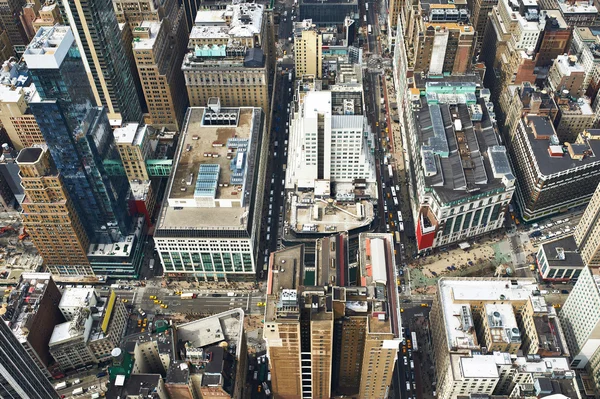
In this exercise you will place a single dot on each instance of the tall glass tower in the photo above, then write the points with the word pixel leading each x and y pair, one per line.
pixel 78 135
pixel 20 377
pixel 109 70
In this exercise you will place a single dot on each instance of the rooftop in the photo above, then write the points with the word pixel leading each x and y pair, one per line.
pixel 136 385
pixel 478 366
pixel 213 171
pixel 29 155
pixel 49 47
pixel 226 326
pixel 577 8
pixel 131 133
pixel 80 326
pixel 567 65
pixel 235 21
pixel 461 150
pixel 23 302
pixel 552 157
pixel 145 35
pixel 456 295
pixel 77 297
pixel 562 252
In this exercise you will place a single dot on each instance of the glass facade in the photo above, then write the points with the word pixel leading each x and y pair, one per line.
pixel 80 140
pixel 113 72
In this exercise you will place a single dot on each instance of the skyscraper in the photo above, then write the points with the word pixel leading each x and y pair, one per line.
pixel 587 232
pixel 19 375
pixel 97 34
pixel 49 215
pixel 77 134
pixel 580 319
pixel 308 46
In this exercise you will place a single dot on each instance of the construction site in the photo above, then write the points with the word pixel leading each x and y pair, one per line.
pixel 17 252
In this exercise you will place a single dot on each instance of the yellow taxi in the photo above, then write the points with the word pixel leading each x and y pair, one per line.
pixel 261 304
pixel 152 296
pixel 158 302
pixel 164 305
pixel 124 300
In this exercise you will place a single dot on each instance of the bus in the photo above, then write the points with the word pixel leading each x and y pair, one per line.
pixel 395 201
pixel 397 237
pixel 367 6
pixel 400 216
pixel 400 226
pixel 369 29
pixel 390 171
pixel 393 190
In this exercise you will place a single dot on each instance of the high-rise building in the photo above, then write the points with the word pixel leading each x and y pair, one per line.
pixel 331 12
pixel 48 15
pixel 214 195
pixel 554 40
pixel 328 142
pixel 480 10
pixel 587 232
pixel 134 12
pixel 76 133
pixel 308 46
pixel 574 116
pixel 16 117
pixel 445 44
pixel 566 75
pixel 229 57
pixel 10 19
pixel 581 322
pixel 49 215
pixel 325 337
pixel 19 375
pixel 446 132
pixel 552 176
pixel 31 313
pixel 158 55
pixel 102 50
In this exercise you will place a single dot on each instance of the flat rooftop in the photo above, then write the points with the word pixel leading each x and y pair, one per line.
pixel 236 20
pixel 226 326
pixel 562 252
pixel 130 133
pixel 478 366
pixel 550 165
pixel 76 297
pixel 285 273
pixel 213 171
pixel 145 35
pixel 457 294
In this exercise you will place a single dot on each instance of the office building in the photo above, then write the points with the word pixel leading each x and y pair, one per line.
pixel 552 176
pixel 566 75
pixel 480 327
pixel 308 50
pixel 76 132
pixel 584 45
pixel 103 54
pixel 94 327
pixel 10 20
pixel 316 148
pixel 357 334
pixel 138 385
pixel 135 145
pixel 451 128
pixel 15 115
pixel 480 10
pixel 6 48
pixel 213 204
pixel 587 232
pixel 158 55
pixel 555 39
pixel 445 44
pixel 229 57
pixel 523 100
pixel 49 215
pixel 31 313
pixel 559 260
pixel 68 343
pixel 579 13
pixel 48 15
pixel 580 320
pixel 574 116
pixel 329 12
pixel 19 375
pixel 134 12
